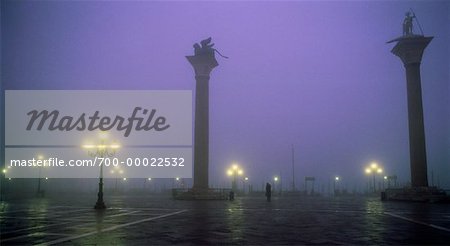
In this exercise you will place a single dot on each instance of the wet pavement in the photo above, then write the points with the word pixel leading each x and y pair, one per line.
pixel 144 220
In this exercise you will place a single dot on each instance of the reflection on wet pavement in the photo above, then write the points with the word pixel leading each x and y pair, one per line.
pixel 247 220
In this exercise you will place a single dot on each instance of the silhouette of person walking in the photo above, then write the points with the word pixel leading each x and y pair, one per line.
pixel 268 191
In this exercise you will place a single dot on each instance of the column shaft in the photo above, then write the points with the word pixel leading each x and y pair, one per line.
pixel 201 138
pixel 418 157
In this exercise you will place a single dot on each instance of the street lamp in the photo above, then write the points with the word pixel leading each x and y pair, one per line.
pixel 2 184
pixel 4 171
pixel 101 150
pixel 145 182
pixel 117 172
pixel 374 169
pixel 39 192
pixel 176 182
pixel 234 171
pixel 275 179
pixel 336 179
pixel 243 184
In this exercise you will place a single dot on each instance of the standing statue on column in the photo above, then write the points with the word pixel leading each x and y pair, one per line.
pixel 408 24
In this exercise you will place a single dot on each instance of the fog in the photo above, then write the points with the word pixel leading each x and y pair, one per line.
pixel 317 76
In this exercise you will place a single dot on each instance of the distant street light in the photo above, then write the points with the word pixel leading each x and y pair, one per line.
pixel 275 179
pixel 145 182
pixel 39 192
pixel 176 183
pixel 4 171
pixel 374 169
pixel 391 178
pixel 336 179
pixel 116 171
pixel 243 183
pixel 101 150
pixel 234 171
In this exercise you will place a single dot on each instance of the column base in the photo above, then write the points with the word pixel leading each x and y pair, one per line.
pixel 416 194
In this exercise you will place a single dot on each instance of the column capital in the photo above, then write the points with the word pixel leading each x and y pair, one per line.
pixel 203 64
pixel 410 48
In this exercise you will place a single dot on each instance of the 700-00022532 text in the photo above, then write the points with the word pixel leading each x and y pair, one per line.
pixel 99 161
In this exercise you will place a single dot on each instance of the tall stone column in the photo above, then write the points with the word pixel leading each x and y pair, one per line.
pixel 203 62
pixel 410 50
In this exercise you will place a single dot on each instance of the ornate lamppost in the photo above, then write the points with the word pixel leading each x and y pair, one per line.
pixel 373 169
pixel 234 171
pixel 101 150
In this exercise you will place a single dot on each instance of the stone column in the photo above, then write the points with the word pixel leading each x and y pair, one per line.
pixel 203 64
pixel 410 50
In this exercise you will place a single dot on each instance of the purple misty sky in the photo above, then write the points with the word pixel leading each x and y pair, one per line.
pixel 318 75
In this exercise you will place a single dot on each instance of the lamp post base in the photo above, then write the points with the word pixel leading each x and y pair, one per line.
pixel 100 205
